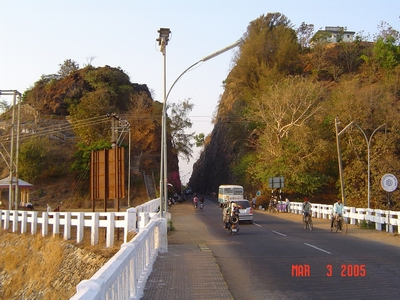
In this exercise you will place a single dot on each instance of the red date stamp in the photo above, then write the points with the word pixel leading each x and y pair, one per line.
pixel 349 270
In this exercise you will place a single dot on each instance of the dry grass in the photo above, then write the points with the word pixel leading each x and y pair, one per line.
pixel 36 267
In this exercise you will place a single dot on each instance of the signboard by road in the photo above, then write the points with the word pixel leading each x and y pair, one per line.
pixel 276 183
pixel 389 182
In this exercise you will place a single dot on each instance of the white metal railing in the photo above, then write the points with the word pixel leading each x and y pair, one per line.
pixel 355 215
pixel 131 220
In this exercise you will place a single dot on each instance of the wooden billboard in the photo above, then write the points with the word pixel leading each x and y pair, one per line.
pixel 107 175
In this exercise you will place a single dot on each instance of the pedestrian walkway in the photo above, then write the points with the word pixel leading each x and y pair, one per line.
pixel 188 270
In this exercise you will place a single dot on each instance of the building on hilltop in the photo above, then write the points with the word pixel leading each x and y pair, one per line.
pixel 334 34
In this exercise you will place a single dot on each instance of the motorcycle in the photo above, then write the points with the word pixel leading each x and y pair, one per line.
pixel 232 223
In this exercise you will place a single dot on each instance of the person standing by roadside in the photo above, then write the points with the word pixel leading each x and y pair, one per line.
pixel 287 206
pixel 253 201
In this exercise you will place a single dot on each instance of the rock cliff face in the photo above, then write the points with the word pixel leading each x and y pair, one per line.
pixel 213 167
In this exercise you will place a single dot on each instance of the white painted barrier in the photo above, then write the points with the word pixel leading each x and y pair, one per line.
pixel 124 276
pixel 355 215
pixel 132 220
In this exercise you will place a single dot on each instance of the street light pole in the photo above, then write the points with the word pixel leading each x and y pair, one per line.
pixel 340 156
pixel 163 42
pixel 368 157
pixel 13 193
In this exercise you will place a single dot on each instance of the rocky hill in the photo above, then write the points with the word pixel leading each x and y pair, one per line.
pixel 282 104
pixel 62 120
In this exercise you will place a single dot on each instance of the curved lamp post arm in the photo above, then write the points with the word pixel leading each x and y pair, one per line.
pixel 208 57
pixel 369 157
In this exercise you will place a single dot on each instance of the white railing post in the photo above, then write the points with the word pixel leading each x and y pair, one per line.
pixel 24 221
pixel 6 225
pixel 80 227
pixel 110 230
pixel 67 225
pixel 45 223
pixel 15 221
pixel 94 237
pixel 378 219
pixel 34 221
pixel 56 223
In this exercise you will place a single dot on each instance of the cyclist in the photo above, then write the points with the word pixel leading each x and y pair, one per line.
pixel 195 201
pixel 201 200
pixel 337 211
pixel 306 208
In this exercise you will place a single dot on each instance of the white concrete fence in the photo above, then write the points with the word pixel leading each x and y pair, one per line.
pixel 124 276
pixel 130 221
pixel 389 218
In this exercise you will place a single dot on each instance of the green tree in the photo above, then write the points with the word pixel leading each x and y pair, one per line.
pixel 32 159
pixel 38 159
pixel 387 47
pixel 304 35
pixel 200 139
pixel 4 106
pixel 179 122
pixel 69 66
pixel 81 164
pixel 89 119
pixel 288 145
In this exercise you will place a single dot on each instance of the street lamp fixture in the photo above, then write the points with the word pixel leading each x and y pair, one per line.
pixel 163 42
pixel 368 157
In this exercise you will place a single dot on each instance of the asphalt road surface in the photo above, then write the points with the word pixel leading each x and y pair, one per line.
pixel 276 258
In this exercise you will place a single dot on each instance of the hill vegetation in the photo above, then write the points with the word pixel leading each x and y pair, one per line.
pixel 283 98
pixel 66 116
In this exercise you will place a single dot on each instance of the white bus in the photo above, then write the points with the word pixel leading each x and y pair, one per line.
pixel 229 192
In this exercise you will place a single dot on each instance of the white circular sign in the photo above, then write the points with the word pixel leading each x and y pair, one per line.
pixel 389 182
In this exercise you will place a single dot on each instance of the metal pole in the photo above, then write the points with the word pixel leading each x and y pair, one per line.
pixel 163 42
pixel 17 194
pixel 339 160
pixel 369 158
pixel 165 134
pixel 11 194
pixel 340 156
pixel 129 171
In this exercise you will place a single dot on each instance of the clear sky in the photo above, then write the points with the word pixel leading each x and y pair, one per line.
pixel 37 36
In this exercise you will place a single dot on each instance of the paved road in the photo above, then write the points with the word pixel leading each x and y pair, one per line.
pixel 275 258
